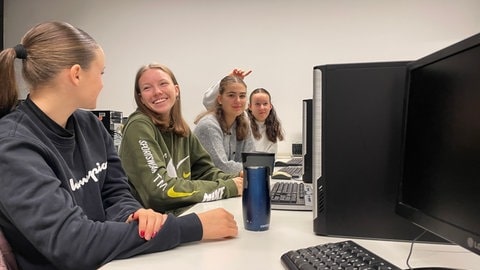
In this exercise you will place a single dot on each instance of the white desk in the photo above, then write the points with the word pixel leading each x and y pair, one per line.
pixel 288 230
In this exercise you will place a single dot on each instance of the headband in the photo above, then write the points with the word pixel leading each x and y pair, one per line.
pixel 20 51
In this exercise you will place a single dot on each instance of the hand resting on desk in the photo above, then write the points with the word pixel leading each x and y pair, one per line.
pixel 239 183
pixel 217 224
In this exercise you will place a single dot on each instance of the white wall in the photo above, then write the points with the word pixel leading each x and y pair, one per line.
pixel 281 41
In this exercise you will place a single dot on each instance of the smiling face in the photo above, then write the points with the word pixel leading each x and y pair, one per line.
pixel 158 92
pixel 233 99
pixel 260 106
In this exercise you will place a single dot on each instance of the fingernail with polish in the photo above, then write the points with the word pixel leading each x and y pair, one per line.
pixel 142 234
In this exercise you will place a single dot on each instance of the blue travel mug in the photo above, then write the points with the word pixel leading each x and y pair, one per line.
pixel 256 198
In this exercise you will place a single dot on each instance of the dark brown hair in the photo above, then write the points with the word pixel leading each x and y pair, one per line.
pixel 272 123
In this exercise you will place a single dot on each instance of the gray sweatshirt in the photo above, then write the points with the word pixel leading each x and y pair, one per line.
pixel 225 149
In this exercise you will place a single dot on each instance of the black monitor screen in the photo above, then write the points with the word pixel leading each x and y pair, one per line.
pixel 440 189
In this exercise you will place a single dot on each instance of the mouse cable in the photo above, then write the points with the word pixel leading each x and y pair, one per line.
pixel 411 248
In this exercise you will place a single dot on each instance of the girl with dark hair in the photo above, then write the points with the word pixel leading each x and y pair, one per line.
pixel 265 125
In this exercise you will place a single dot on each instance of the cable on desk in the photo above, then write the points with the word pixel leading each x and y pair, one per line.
pixel 411 247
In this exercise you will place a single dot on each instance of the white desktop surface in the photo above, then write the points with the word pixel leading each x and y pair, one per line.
pixel 289 230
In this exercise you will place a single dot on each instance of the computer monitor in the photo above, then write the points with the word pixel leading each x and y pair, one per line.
pixel 440 185
pixel 307 134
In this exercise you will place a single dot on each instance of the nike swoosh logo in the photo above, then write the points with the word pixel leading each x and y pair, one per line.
pixel 174 194
pixel 186 175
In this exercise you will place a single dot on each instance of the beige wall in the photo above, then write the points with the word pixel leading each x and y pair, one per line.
pixel 279 40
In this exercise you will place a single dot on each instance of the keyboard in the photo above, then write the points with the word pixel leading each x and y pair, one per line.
pixel 337 255
pixel 295 161
pixel 294 171
pixel 290 195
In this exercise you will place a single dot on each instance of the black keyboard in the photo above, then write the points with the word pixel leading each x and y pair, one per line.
pixel 339 255
pixel 295 161
pixel 294 171
pixel 291 196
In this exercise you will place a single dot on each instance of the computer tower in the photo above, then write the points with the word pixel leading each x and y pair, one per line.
pixel 358 112
pixel 112 120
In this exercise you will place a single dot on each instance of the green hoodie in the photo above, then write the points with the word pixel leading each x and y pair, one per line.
pixel 168 172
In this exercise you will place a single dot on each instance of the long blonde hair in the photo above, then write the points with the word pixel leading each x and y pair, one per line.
pixel 176 123
pixel 45 50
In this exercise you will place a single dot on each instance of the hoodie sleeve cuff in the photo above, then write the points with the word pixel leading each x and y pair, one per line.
pixel 232 188
pixel 190 228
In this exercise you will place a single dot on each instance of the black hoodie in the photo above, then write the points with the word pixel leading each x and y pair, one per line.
pixel 64 197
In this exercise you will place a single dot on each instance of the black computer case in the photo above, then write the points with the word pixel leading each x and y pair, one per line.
pixel 358 112
pixel 112 121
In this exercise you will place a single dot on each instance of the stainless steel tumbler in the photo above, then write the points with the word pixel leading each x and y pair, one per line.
pixel 256 198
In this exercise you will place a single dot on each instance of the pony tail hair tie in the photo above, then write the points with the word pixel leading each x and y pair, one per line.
pixel 20 51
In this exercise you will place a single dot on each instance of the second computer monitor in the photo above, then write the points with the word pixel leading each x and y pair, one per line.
pixel 307 134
